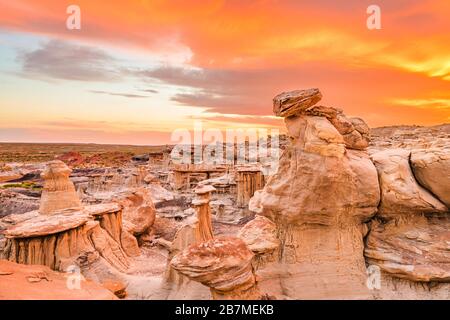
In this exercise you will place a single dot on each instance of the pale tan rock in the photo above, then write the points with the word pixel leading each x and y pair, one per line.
pixel 223 264
pixel 41 225
pixel 323 111
pixel 349 185
pixel 411 241
pixel 320 199
pixel 400 192
pixel 354 131
pixel 342 124
pixel 204 230
pixel 315 135
pixel 295 102
pixel 138 210
pixel 361 126
pixel 185 236
pixel 432 170
pixel 248 180
pixel 319 205
pixel 410 137
pixel 354 140
pixel 260 235
pixel 59 192
pixel 117 287
pixel 415 248
pixel 176 284
pixel 67 238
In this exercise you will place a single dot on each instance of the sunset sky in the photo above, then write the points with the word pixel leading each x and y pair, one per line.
pixel 139 69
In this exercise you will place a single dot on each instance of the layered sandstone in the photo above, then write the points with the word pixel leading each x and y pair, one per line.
pixel 431 168
pixel 260 236
pixel 138 210
pixel 59 192
pixel 320 198
pixel 410 238
pixel 223 265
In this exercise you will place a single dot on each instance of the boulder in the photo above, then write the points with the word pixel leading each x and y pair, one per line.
pixel 431 168
pixel 400 192
pixel 260 235
pixel 320 199
pixel 222 264
pixel 295 102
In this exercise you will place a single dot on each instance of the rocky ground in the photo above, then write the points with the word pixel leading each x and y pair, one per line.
pixel 346 200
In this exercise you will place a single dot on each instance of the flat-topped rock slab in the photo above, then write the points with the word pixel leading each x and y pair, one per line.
pixel 43 225
pixel 102 208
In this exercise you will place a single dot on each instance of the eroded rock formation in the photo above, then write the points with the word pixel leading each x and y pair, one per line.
pixel 319 199
pixel 68 238
pixel 224 265
pixel 204 230
pixel 431 168
pixel 410 238
pixel 139 212
pixel 22 282
pixel 59 192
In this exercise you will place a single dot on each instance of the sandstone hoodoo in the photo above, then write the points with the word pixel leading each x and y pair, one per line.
pixel 204 230
pixel 320 198
pixel 260 236
pixel 248 180
pixel 222 264
pixel 59 191
pixel 63 234
pixel 346 212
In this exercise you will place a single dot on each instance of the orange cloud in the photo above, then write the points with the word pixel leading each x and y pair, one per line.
pixel 245 52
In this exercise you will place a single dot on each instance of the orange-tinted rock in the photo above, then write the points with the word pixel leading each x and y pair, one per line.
pixel 223 264
pixel 432 170
pixel 295 102
pixel 23 282
pixel 400 192
pixel 319 199
pixel 260 235
pixel 117 287
pixel 59 192
pixel 138 210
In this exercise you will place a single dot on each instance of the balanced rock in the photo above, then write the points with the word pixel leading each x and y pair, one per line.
pixel 320 198
pixel 295 102
pixel 59 192
pixel 222 264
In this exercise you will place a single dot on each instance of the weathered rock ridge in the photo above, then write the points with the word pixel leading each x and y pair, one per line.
pixel 328 193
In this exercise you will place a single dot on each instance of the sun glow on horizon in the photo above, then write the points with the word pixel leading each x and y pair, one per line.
pixel 138 70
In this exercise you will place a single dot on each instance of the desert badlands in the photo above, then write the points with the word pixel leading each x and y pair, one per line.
pixel 350 213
